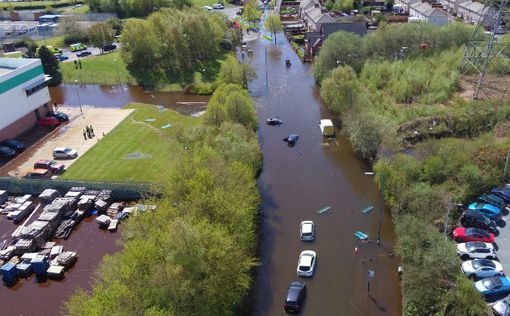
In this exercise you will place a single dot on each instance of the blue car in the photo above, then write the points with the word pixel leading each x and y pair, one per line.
pixel 492 199
pixel 503 192
pixel 493 286
pixel 62 57
pixel 488 210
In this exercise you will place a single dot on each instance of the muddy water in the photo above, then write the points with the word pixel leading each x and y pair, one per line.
pixel 113 96
pixel 298 181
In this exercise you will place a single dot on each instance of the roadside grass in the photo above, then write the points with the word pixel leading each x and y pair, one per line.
pixel 57 41
pixel 201 3
pixel 35 3
pixel 100 69
pixel 107 161
pixel 80 10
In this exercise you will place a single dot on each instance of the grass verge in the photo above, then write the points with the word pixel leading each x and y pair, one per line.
pixel 57 41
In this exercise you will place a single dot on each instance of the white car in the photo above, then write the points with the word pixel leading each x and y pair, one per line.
pixel 208 8
pixel 307 230
pixel 501 307
pixel 218 6
pixel 482 268
pixel 64 153
pixel 306 263
pixel 476 250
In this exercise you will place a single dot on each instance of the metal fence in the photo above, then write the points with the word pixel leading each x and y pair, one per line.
pixel 120 191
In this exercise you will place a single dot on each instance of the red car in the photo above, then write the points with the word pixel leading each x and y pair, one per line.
pixel 48 121
pixel 51 165
pixel 462 234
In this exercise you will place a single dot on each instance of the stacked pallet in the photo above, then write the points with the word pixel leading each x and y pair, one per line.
pixel 47 196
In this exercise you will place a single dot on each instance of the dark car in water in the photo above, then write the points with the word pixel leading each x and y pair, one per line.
pixel 291 139
pixel 295 297
pixel 273 121
pixel 6 152
pixel 476 219
pixel 14 144
pixel 61 116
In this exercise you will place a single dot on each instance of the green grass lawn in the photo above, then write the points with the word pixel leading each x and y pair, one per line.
pixel 98 69
pixel 34 3
pixel 80 10
pixel 57 41
pixel 107 161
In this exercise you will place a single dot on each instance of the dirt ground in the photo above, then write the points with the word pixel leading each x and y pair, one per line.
pixel 495 87
pixel 103 120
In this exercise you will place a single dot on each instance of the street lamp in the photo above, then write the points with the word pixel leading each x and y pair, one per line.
pixel 78 94
pixel 117 71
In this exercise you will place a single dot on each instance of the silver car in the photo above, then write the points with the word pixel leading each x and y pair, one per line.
pixel 307 231
pixel 64 153
pixel 482 268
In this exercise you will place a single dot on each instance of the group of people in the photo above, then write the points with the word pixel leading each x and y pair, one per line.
pixel 88 132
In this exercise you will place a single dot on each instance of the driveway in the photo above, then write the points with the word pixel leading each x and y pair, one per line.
pixel 103 121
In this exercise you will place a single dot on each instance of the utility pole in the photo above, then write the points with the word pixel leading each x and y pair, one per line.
pixel 506 164
pixel 78 94
pixel 381 210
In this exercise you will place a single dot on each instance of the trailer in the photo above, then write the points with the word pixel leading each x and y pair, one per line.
pixel 327 128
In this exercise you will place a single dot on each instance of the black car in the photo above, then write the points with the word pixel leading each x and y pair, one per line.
pixel 476 219
pixel 60 116
pixel 291 139
pixel 6 152
pixel 493 200
pixel 83 53
pixel 14 144
pixel 295 297
pixel 109 47
pixel 273 121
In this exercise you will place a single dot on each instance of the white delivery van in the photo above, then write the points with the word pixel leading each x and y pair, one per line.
pixel 327 128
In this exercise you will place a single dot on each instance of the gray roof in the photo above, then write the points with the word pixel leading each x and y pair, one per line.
pixel 472 6
pixel 358 28
pixel 426 9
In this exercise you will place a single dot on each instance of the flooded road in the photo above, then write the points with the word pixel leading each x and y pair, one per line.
pixel 298 181
pixel 113 96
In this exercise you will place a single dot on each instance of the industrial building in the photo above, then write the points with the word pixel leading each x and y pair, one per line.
pixel 24 95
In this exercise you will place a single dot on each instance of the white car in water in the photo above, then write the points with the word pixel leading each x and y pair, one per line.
pixel 306 263
pixel 476 250
pixel 307 231
pixel 482 268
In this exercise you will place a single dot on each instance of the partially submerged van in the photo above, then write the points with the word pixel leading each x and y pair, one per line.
pixel 327 128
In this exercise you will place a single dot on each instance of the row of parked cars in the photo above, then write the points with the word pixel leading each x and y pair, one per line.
pixel 296 292
pixel 480 223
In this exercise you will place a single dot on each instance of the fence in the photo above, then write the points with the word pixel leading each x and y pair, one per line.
pixel 120 191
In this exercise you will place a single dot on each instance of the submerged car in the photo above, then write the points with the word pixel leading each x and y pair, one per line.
pixel 274 121
pixel 476 250
pixel 493 286
pixel 64 153
pixel 14 144
pixel 306 263
pixel 291 139
pixel 482 268
pixel 475 219
pixel 307 231
pixel 218 6
pixel 462 234
pixel 296 294
pixel 488 210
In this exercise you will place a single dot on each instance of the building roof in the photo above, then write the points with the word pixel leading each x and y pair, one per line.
pixel 358 28
pixel 472 6
pixel 427 10
pixel 9 64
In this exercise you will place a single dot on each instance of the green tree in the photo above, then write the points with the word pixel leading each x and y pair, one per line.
pixel 273 24
pixel 233 71
pixel 340 89
pixel 251 11
pixel 240 109
pixel 71 29
pixel 233 38
pixel 365 130
pixel 50 65
pixel 101 34
pixel 31 46
pixel 215 114
pixel 329 5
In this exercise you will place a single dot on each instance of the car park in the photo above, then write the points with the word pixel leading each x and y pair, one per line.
pixel 109 47
pixel 296 294
pixel 482 268
pixel 38 174
pixel 462 234
pixel 501 307
pixel 14 144
pixel 218 6
pixel 62 57
pixel 488 210
pixel 476 250
pixel 61 116
pixel 475 219
pixel 307 231
pixel 306 263
pixel 503 192
pixel 6 152
pixel 84 53
pixel 48 121
pixel 493 286
pixel 51 165
pixel 64 153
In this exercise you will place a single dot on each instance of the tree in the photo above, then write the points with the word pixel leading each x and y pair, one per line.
pixel 341 89
pixel 101 34
pixel 240 109
pixel 50 65
pixel 31 46
pixel 233 37
pixel 273 24
pixel 233 71
pixel 251 11
pixel 329 5
pixel 70 28
pixel 365 130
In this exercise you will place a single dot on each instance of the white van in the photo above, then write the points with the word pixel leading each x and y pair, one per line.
pixel 327 128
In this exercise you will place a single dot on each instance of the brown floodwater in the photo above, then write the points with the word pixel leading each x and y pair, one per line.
pixel 298 181
pixel 115 96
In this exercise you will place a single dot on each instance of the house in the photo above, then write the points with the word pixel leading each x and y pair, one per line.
pixel 314 14
pixel 406 4
pixel 315 39
pixel 24 96
pixel 452 6
pixel 471 12
pixel 424 12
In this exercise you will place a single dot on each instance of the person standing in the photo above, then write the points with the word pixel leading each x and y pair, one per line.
pixel 84 135
pixel 92 131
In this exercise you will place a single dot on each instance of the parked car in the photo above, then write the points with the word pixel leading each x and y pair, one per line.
pixel 273 121
pixel 488 210
pixel 84 53
pixel 109 47
pixel 501 307
pixel 306 263
pixel 51 165
pixel 61 116
pixel 6 152
pixel 38 174
pixel 503 192
pixel 492 199
pixel 475 219
pixel 208 8
pixel 493 286
pixel 77 47
pixel 61 57
pixel 296 294
pixel 48 121
pixel 291 139
pixel 476 250
pixel 462 234
pixel 64 153
pixel 218 6
pixel 307 230
pixel 14 144
pixel 482 268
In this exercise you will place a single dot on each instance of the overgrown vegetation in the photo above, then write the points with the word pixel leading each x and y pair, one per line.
pixel 194 254
pixel 125 9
